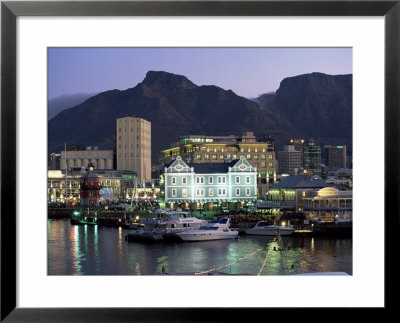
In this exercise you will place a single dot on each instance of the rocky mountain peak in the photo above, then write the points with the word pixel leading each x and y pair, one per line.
pixel 160 79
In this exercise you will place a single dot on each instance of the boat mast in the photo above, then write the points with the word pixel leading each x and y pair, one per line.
pixel 66 174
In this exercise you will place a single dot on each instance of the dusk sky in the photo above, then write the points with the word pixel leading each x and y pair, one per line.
pixel 248 72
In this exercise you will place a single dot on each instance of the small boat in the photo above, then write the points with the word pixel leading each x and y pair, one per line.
pixel 78 218
pixel 213 230
pixel 262 228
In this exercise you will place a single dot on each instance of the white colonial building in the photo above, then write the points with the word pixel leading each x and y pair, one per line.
pixel 209 183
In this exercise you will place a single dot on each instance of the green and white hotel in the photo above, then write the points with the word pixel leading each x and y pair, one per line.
pixel 206 184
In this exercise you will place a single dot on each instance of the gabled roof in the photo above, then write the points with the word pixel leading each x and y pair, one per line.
pixel 211 168
pixel 300 181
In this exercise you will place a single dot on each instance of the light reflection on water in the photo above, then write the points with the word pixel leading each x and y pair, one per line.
pixel 94 250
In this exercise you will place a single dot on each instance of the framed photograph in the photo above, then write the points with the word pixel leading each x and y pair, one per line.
pixel 218 54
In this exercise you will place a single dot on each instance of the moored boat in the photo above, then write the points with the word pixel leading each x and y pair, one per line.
pixel 165 226
pixel 78 218
pixel 262 228
pixel 213 230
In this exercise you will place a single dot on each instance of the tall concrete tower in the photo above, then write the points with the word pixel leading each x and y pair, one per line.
pixel 134 146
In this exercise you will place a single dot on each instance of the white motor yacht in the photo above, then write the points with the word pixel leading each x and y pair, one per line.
pixel 262 228
pixel 213 230
pixel 178 224
pixel 165 226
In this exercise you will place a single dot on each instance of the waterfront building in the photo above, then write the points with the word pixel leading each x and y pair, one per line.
pixel 133 136
pixel 335 157
pixel 329 204
pixel 290 161
pixel 79 156
pixel 312 158
pixel 289 193
pixel 204 185
pixel 222 149
pixel 115 186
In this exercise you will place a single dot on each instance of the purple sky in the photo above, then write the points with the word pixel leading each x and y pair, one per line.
pixel 248 72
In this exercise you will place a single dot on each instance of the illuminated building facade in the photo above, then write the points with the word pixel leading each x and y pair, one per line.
pixel 114 186
pixel 209 183
pixel 312 158
pixel 134 146
pixel 223 149
pixel 329 204
pixel 288 194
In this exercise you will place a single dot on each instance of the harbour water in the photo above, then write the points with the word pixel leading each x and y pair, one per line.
pixel 100 250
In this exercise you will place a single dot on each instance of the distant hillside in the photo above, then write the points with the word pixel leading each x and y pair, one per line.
pixel 58 104
pixel 316 105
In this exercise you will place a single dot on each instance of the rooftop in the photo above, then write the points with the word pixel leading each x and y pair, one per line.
pixel 300 181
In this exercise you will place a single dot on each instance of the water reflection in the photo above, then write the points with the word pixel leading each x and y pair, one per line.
pixel 94 250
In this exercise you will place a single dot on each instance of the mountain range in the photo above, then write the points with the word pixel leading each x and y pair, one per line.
pixel 311 105
pixel 60 103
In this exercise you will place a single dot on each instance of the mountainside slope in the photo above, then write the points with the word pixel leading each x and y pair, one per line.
pixel 312 105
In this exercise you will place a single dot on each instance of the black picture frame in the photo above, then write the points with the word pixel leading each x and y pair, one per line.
pixel 10 10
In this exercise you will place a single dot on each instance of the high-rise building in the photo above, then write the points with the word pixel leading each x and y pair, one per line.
pixel 335 157
pixel 133 137
pixel 290 161
pixel 312 158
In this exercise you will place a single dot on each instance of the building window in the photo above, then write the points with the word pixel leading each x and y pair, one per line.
pixel 200 192
pixel 263 156
pixel 184 192
pixel 237 191
pixel 235 156
pixel 214 157
pixel 221 156
pixel 229 156
pixel 270 157
pixel 255 157
pixel 198 156
pixel 210 180
pixel 184 180
pixel 247 191
pixel 247 179
pixel 270 165
pixel 221 191
pixel 173 180
pixel 173 193
pixel 237 180
pixel 221 180
pixel 270 173
pixel 210 192
pixel 200 180
pixel 248 156
pixel 207 156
